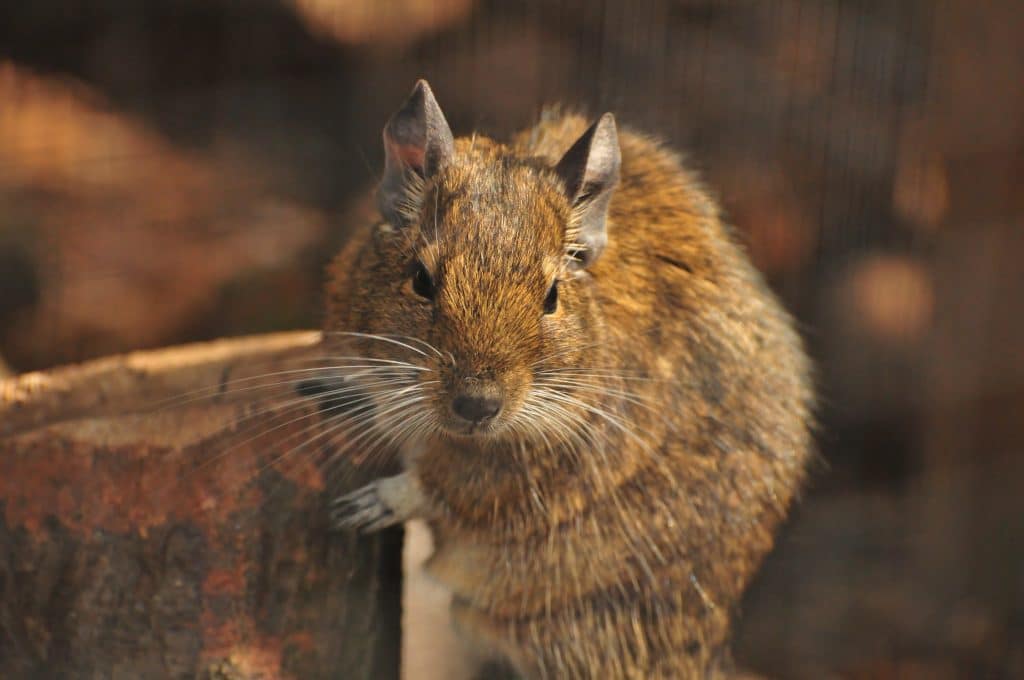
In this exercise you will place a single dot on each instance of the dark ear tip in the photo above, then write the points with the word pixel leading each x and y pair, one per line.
pixel 422 101
pixel 419 96
pixel 422 92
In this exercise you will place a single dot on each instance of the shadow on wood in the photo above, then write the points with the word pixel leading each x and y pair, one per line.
pixel 177 540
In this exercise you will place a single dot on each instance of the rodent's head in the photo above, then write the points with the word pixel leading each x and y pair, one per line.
pixel 484 254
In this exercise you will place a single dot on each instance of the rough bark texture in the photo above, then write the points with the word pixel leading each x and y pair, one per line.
pixel 169 542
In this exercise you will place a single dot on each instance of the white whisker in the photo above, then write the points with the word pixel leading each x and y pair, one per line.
pixel 223 388
pixel 631 397
pixel 382 338
pixel 333 432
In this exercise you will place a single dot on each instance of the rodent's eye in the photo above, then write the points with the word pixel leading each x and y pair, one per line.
pixel 422 284
pixel 551 301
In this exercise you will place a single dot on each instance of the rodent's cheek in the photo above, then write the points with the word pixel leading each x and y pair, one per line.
pixel 561 337
pixel 408 305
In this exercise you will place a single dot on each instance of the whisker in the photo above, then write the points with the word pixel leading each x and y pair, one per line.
pixel 408 429
pixel 597 388
pixel 314 412
pixel 599 372
pixel 395 414
pixel 382 338
pixel 290 384
pixel 395 362
pixel 217 390
pixel 554 355
pixel 385 435
pixel 398 336
pixel 571 434
pixel 332 435
pixel 422 342
pixel 362 405
pixel 651 405
pixel 561 420
pixel 333 431
pixel 611 419
pixel 404 404
pixel 328 395
pixel 611 491
pixel 345 424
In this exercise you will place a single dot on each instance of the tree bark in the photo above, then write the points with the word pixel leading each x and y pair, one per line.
pixel 178 540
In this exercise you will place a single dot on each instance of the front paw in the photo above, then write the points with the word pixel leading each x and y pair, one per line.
pixel 364 509
pixel 379 504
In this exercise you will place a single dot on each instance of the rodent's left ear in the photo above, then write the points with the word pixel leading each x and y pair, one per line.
pixel 590 170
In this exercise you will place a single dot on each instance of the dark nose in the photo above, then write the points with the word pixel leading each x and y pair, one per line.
pixel 476 409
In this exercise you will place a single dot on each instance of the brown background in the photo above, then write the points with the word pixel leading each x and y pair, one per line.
pixel 172 171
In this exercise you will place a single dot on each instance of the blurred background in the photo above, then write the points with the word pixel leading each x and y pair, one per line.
pixel 177 170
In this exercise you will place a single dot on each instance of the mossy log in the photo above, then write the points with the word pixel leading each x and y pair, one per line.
pixel 170 541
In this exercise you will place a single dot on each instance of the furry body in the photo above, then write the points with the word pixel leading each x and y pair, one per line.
pixel 605 542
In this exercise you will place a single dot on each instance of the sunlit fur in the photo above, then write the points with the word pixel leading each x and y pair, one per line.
pixel 655 427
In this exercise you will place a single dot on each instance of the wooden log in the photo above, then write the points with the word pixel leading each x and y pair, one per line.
pixel 171 542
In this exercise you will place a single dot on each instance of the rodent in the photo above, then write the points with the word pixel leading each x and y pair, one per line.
pixel 610 413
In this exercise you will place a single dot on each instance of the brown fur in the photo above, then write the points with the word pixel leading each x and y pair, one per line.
pixel 620 553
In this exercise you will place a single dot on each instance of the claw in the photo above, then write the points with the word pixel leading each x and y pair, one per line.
pixel 361 509
pixel 351 496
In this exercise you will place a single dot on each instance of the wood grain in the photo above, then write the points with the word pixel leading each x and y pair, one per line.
pixel 166 541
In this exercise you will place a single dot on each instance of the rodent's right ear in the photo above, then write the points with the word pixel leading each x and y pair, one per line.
pixel 417 143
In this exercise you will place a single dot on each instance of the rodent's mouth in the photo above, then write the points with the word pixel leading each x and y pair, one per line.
pixel 467 430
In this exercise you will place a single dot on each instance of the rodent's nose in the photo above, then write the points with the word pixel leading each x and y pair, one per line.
pixel 476 409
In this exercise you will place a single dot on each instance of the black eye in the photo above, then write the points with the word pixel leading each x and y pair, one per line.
pixel 551 301
pixel 422 284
